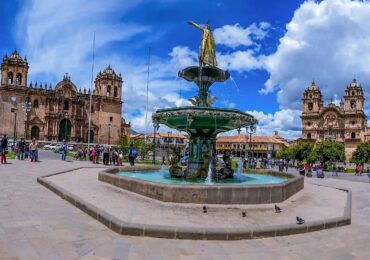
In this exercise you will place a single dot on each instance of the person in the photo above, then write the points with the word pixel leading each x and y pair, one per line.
pixel 286 164
pixel 21 145
pixel 368 175
pixel 3 149
pixel 33 150
pixel 319 172
pixel 114 156
pixel 93 154
pixel 97 154
pixel 132 154
pixel 105 156
pixel 334 171
pixel 360 169
pixel 84 153
pixel 64 150
pixel 119 157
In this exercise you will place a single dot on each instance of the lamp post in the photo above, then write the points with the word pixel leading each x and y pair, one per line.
pixel 109 133
pixel 168 146
pixel 156 126
pixel 26 107
pixel 251 130
pixel 14 110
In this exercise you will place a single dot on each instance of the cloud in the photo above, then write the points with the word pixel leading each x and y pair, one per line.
pixel 236 35
pixel 327 41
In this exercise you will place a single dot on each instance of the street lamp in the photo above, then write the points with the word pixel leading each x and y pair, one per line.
pixel 251 130
pixel 26 107
pixel 14 110
pixel 109 133
pixel 156 126
pixel 168 146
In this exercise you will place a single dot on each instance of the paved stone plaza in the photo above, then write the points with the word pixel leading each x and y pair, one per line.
pixel 37 224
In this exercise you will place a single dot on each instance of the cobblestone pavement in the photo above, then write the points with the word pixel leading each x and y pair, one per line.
pixel 37 224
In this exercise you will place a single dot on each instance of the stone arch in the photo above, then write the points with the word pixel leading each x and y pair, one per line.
pixel 109 90
pixel 19 79
pixel 353 135
pixel 115 92
pixel 10 78
pixel 65 127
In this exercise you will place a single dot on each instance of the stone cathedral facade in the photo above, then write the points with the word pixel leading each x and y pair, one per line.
pixel 61 112
pixel 346 122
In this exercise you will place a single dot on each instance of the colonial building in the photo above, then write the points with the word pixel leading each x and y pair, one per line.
pixel 345 122
pixel 257 146
pixel 61 112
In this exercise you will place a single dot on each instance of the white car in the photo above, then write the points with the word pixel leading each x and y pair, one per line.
pixel 49 147
pixel 70 148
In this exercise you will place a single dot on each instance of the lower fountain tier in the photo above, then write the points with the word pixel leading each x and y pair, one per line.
pixel 203 121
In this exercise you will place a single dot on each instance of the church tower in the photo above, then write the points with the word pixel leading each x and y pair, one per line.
pixel 354 97
pixel 109 84
pixel 14 71
pixel 312 103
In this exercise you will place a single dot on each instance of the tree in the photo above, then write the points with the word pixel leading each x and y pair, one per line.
pixel 302 151
pixel 285 153
pixel 328 151
pixel 142 146
pixel 362 154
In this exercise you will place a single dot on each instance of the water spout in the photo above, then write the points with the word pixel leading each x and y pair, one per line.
pixel 209 175
pixel 240 166
pixel 237 88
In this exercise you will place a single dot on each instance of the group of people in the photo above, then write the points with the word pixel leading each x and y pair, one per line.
pixel 21 149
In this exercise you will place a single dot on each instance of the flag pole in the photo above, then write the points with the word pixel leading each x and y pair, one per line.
pixel 91 85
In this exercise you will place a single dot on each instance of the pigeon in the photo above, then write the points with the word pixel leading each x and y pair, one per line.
pixel 300 220
pixel 204 209
pixel 277 209
pixel 244 214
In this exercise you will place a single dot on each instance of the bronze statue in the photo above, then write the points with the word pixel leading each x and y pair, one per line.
pixel 207 53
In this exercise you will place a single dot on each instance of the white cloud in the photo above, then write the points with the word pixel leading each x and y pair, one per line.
pixel 236 35
pixel 240 61
pixel 327 41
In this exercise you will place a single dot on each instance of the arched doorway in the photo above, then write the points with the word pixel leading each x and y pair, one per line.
pixel 65 129
pixel 35 132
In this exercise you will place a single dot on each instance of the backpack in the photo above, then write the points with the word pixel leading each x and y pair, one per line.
pixel 134 153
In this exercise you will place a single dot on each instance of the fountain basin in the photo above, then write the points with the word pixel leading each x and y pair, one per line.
pixel 206 194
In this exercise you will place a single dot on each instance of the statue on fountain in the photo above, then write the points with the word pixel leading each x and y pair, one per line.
pixel 207 53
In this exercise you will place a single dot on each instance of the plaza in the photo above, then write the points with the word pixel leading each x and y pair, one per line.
pixel 37 224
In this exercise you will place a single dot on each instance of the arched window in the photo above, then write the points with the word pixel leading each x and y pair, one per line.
pixel 310 106
pixel 19 79
pixel 66 105
pixel 353 135
pixel 10 78
pixel 36 103
pixel 353 104
pixel 115 91
pixel 108 91
pixel 309 135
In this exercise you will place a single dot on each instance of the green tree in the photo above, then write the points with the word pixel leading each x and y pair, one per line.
pixel 362 154
pixel 328 151
pixel 285 153
pixel 302 151
pixel 142 146
pixel 123 144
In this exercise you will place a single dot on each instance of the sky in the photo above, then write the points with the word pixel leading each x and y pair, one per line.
pixel 272 49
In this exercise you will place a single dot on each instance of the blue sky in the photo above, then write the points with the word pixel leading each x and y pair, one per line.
pixel 273 50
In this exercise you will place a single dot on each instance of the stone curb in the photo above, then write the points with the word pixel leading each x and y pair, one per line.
pixel 171 232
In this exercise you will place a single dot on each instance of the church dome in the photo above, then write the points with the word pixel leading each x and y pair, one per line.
pixel 65 83
pixel 313 86
pixel 109 72
pixel 354 84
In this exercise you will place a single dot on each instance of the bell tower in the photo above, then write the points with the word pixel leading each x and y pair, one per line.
pixel 312 103
pixel 14 71
pixel 109 84
pixel 354 97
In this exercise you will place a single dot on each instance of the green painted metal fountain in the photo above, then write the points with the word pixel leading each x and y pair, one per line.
pixel 201 121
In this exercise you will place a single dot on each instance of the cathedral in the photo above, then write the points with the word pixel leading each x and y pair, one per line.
pixel 344 123
pixel 53 114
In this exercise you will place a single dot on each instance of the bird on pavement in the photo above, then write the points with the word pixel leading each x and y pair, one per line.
pixel 277 209
pixel 204 209
pixel 300 220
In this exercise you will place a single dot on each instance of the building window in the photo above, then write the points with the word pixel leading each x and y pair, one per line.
pixel 115 93
pixel 310 106
pixel 308 123
pixel 66 105
pixel 111 119
pixel 309 136
pixel 108 91
pixel 353 104
pixel 19 79
pixel 353 93
pixel 35 103
pixel 10 78
pixel 353 135
pixel 353 122
pixel 310 96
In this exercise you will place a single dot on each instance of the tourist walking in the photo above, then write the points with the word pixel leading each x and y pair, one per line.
pixel 64 150
pixel 106 156
pixel 21 146
pixel 3 149
pixel 334 171
pixel 33 150
pixel 98 152
pixel 132 154
pixel 93 154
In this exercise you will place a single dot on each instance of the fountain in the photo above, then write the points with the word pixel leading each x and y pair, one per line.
pixel 201 121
